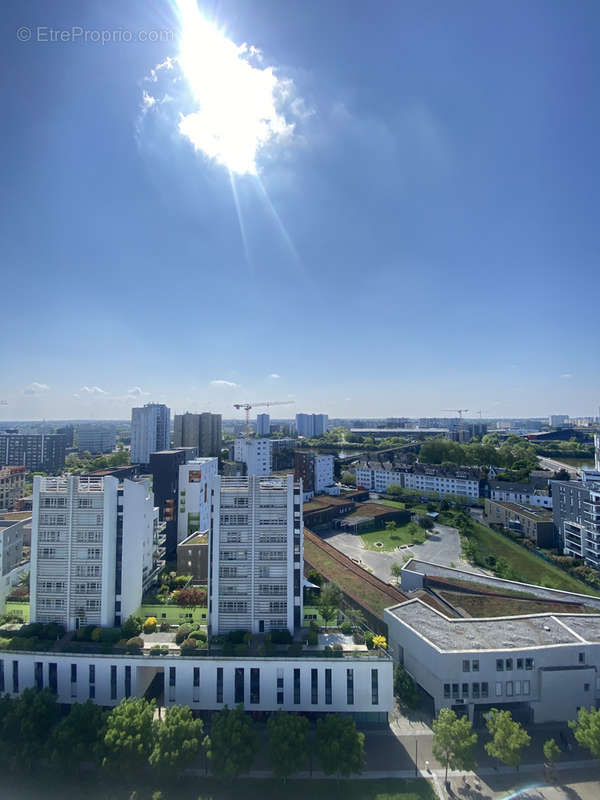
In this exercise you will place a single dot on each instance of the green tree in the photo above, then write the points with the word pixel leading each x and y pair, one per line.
pixel 396 569
pixel 586 729
pixel 288 743
pixel 330 599
pixel 426 523
pixel 551 751
pixel 233 743
pixel 78 737
pixel 130 735
pixel 405 688
pixel 453 741
pixel 508 738
pixel 27 723
pixel 340 747
pixel 178 741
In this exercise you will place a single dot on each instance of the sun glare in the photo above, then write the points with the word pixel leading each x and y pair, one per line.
pixel 236 113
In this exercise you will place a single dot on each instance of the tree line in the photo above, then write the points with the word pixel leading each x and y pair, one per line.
pixel 35 732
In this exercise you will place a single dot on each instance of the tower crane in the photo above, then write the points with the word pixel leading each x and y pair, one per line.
pixel 247 406
pixel 460 412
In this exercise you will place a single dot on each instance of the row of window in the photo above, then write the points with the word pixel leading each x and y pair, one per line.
pixel 506 664
pixel 478 690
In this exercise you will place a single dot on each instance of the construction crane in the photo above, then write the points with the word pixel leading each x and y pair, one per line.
pixel 248 406
pixel 460 412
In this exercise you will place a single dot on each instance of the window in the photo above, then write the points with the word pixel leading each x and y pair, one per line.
pixel 297 686
pixel 586 687
pixel 466 666
pixel 38 675
pixel 455 690
pixel 219 684
pixel 475 691
pixel 475 665
pixel 526 687
pixel 581 658
pixel 529 663
pixel 519 663
pixel 52 677
pixel 255 686
pixel 350 687
pixel 314 686
pixel 465 690
pixel 499 689
pixel 73 680
pixel 92 692
pixel 509 688
pixel 328 687
pixel 1 675
pixel 127 681
pixel 499 665
pixel 92 673
pixel 484 689
pixel 509 664
pixel 374 687
pixel 446 690
pixel 113 683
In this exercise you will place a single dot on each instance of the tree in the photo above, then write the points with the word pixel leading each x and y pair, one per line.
pixel 233 743
pixel 562 475
pixel 426 523
pixel 551 751
pixel 178 741
pixel 130 734
pixel 508 738
pixel 77 738
pixel 132 627
pixel 405 688
pixel 586 729
pixel 26 725
pixel 396 570
pixel 330 599
pixel 189 598
pixel 453 741
pixel 288 743
pixel 340 747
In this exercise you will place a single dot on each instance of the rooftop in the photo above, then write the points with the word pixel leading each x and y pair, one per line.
pixel 534 513
pixel 198 537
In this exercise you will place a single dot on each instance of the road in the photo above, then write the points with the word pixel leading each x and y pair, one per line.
pixel 551 463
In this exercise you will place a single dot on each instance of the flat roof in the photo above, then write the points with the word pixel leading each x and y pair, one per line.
pixel 535 513
pixel 496 633
pixel 399 431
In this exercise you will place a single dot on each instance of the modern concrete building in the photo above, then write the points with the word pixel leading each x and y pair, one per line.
pixel 12 486
pixel 255 454
pixel 202 431
pixel 44 452
pixel 96 438
pixel 150 431
pixel 192 557
pixel 576 512
pixel 533 523
pixel 195 479
pixel 95 547
pixel 256 554
pixel 164 467
pixel 556 420
pixel 12 537
pixel 315 472
pixel 311 425
pixel 263 424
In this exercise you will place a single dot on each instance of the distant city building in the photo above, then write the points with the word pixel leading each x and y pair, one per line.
pixel 195 478
pixel 96 438
pixel 12 487
pixel 263 424
pixel 192 557
pixel 256 555
pixel 315 472
pixel 426 478
pixel 255 454
pixel 68 431
pixel 164 466
pixel 39 452
pixel 556 420
pixel 202 431
pixel 311 426
pixel 150 431
pixel 95 547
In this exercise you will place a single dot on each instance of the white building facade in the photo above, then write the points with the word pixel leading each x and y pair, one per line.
pixel 195 479
pixel 255 555
pixel 311 425
pixel 378 480
pixel 150 431
pixel 323 473
pixel 513 495
pixel 424 480
pixel 255 454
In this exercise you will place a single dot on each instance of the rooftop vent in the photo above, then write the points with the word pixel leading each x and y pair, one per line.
pixel 547 627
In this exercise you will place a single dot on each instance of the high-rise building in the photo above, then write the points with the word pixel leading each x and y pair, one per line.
pixel 164 466
pixel 311 425
pixel 263 424
pixel 255 554
pixel 150 431
pixel 315 472
pixel 203 431
pixel 195 479
pixel 95 547
pixel 43 452
pixel 556 420
pixel 96 438
pixel 12 486
pixel 255 454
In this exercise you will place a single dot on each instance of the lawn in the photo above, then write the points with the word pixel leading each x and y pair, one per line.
pixel 411 533
pixel 528 567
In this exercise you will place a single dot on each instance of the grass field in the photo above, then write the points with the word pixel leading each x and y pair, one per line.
pixel 411 533
pixel 527 566
pixel 418 508
pixel 479 605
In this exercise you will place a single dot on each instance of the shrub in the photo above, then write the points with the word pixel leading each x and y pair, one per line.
pixel 110 635
pixel 96 634
pixel 380 641
pixel 198 635
pixel 236 637
pixel 156 649
pixel 181 581
pixel 369 639
pixel 150 625
pixel 241 649
pixel 84 634
pixel 358 637
pixel 182 633
pixel 282 636
pixel 131 627
pixel 294 649
pixel 189 598
pixel 188 645
pixel 312 637
pixel 135 644
pixel 346 627
pixel 164 626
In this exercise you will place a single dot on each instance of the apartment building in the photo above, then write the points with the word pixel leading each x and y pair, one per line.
pixel 256 554
pixel 95 547
pixel 150 431
pixel 195 479
pixel 192 557
pixel 263 424
pixel 576 513
pixel 542 667
pixel 39 452
pixel 315 472
pixel 96 438
pixel 311 425
pixel 531 493
pixel 532 523
pixel 421 477
pixel 12 486
pixel 164 467
pixel 255 454
pixel 375 477
pixel 202 431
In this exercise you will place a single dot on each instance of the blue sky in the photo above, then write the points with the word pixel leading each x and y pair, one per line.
pixel 423 234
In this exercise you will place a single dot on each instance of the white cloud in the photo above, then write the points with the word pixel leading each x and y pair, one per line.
pixel 274 375
pixel 566 375
pixel 136 391
pixel 91 390
pixel 224 384
pixel 36 388
pixel 147 100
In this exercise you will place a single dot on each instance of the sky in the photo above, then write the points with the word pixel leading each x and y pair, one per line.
pixel 368 210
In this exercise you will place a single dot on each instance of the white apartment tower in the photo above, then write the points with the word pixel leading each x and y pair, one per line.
pixel 195 479
pixel 311 425
pixel 255 554
pixel 95 547
pixel 150 431
pixel 255 454
pixel 263 424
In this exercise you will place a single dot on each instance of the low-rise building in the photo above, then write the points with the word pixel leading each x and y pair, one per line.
pixel 429 479
pixel 530 493
pixel 12 486
pixel 532 523
pixel 192 557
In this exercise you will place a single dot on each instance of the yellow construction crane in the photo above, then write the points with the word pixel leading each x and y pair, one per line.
pixel 247 406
